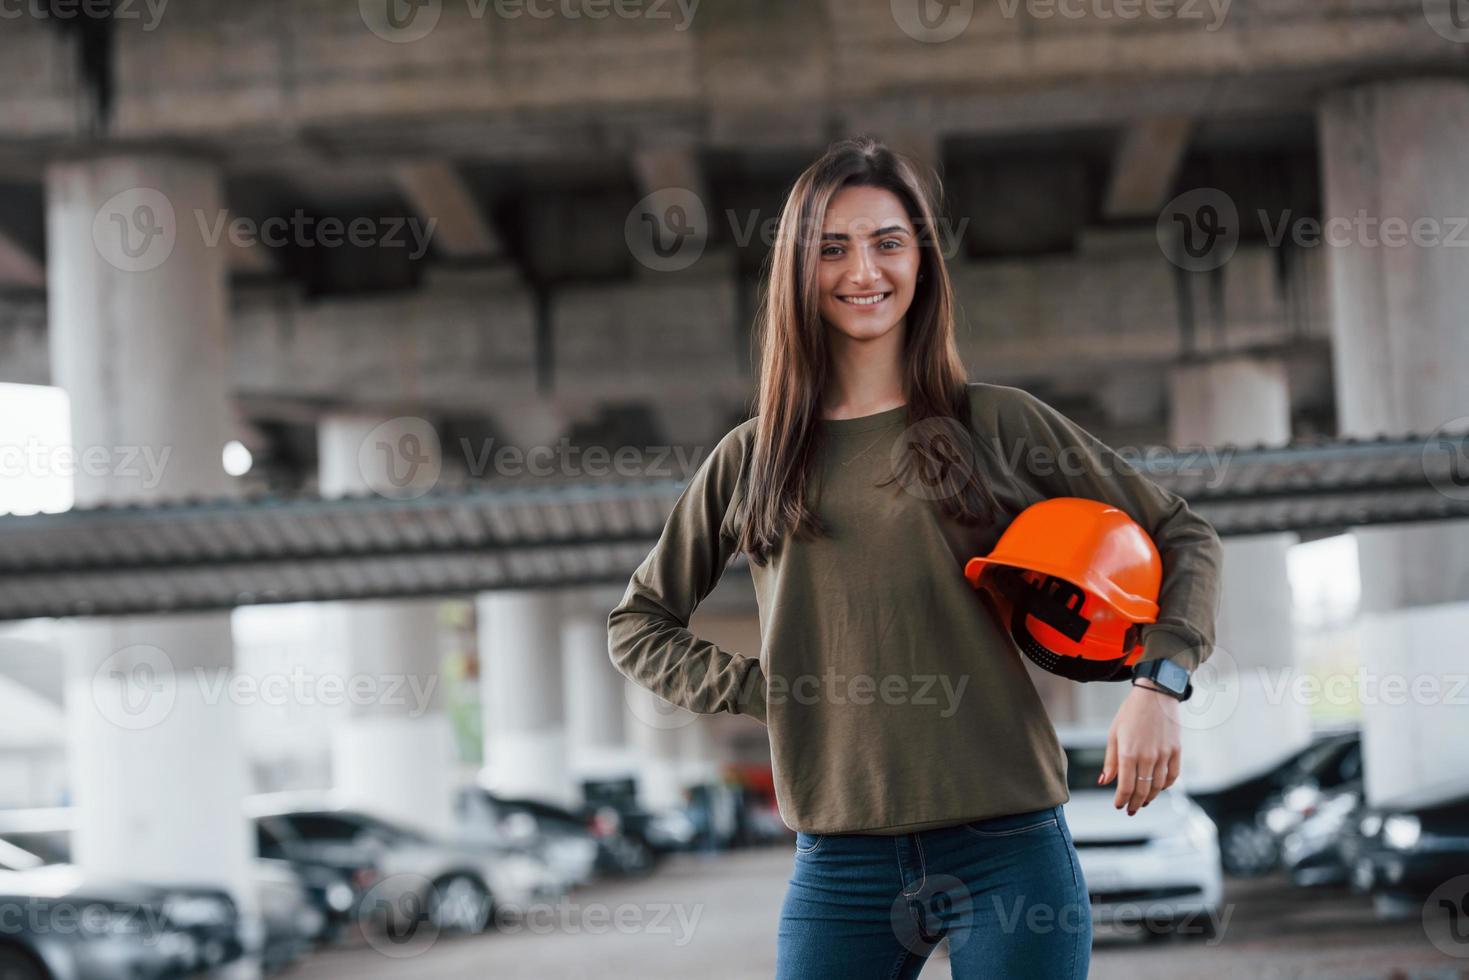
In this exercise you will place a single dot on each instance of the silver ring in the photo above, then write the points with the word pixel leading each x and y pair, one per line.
pixel 1143 778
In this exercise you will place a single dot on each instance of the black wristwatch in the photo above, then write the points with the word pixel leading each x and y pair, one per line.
pixel 1171 679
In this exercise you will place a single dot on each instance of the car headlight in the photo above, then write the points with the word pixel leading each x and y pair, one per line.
pixel 193 911
pixel 339 896
pixel 1401 831
pixel 1196 834
pixel 1370 825
pixel 1279 819
pixel 1303 798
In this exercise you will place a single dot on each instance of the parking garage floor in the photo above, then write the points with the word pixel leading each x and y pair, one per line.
pixel 715 917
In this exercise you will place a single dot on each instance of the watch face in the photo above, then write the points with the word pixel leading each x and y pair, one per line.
pixel 1171 675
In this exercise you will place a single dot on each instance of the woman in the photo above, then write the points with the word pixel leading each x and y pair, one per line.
pixel 911 752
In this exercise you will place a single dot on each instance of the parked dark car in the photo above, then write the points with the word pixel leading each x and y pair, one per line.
pixel 459 887
pixel 207 915
pixel 566 841
pixel 1248 845
pixel 57 923
pixel 1317 850
pixel 335 888
pixel 1400 856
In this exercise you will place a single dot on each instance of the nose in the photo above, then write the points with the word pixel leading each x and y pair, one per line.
pixel 864 269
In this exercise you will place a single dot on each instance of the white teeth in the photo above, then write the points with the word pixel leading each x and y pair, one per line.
pixel 865 301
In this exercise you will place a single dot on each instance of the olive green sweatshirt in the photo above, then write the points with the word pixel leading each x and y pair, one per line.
pixel 894 699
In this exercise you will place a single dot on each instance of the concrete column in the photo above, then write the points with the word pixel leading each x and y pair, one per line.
pixel 522 693
pixel 701 758
pixel 1241 723
pixel 596 729
pixel 656 730
pixel 137 315
pixel 1398 151
pixel 393 754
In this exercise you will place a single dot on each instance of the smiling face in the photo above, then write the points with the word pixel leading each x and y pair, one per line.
pixel 868 266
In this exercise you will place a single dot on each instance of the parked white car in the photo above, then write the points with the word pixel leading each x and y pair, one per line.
pixel 1159 868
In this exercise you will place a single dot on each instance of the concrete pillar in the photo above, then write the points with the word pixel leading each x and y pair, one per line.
pixel 522 694
pixel 1241 723
pixel 393 754
pixel 656 730
pixel 137 314
pixel 596 728
pixel 701 759
pixel 1398 151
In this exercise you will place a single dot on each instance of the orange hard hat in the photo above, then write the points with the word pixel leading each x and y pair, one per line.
pixel 1073 579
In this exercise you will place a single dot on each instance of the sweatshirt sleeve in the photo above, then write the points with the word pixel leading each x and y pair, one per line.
pixel 648 637
pixel 1051 456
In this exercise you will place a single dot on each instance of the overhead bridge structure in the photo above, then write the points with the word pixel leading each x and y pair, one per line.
pixel 190 556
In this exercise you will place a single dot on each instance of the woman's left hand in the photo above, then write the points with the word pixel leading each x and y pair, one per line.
pixel 1142 742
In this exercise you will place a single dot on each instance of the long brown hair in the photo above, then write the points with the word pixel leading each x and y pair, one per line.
pixel 790 337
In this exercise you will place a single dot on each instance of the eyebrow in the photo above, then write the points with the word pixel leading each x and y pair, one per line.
pixel 843 236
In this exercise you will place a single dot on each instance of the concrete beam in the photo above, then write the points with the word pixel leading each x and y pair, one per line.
pixel 437 193
pixel 18 267
pixel 1144 167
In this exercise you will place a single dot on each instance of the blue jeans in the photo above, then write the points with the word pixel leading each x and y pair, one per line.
pixel 1007 892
